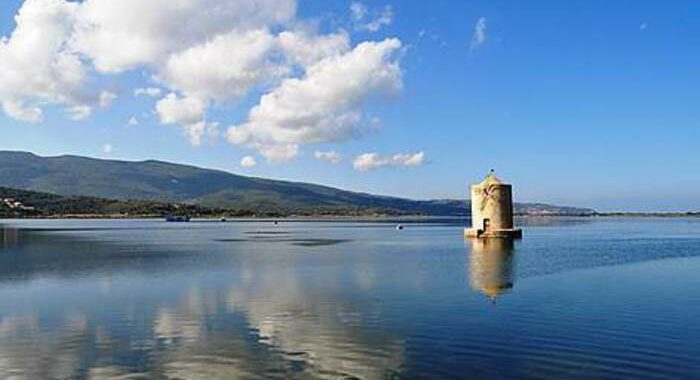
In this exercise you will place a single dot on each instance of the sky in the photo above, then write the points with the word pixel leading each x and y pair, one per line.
pixel 582 103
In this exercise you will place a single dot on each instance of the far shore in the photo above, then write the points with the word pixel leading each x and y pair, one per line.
pixel 387 217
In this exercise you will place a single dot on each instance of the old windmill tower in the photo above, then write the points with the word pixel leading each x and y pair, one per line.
pixel 492 210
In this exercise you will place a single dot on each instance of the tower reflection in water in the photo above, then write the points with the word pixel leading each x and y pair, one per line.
pixel 9 238
pixel 491 266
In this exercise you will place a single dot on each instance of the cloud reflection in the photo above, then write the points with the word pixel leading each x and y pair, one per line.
pixel 261 317
pixel 322 332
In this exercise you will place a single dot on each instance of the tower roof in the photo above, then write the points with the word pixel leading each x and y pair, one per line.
pixel 491 179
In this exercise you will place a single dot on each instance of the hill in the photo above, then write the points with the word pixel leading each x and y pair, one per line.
pixel 175 183
pixel 25 203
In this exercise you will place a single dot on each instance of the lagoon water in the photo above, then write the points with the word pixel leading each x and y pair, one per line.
pixel 131 299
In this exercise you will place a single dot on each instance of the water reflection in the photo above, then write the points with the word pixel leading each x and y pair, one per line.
pixel 163 301
pixel 491 266
pixel 30 350
pixel 256 338
pixel 254 318
pixel 9 237
pixel 325 334
pixel 28 254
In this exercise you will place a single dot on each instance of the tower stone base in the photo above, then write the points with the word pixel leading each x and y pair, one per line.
pixel 515 233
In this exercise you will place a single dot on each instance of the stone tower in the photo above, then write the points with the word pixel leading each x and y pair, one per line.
pixel 492 210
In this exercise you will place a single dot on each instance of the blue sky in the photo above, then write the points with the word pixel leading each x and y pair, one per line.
pixel 586 103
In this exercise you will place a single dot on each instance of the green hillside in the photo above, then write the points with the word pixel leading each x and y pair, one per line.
pixel 38 204
pixel 166 182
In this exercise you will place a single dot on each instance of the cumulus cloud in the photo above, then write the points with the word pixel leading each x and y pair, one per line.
pixel 196 132
pixel 124 34
pixel 76 113
pixel 322 106
pixel 153 92
pixel 331 156
pixel 223 68
pixel 132 121
pixel 41 62
pixel 188 113
pixel 248 162
pixel 200 54
pixel 107 149
pixel 178 110
pixel 370 161
pixel 479 37
pixel 35 66
pixel 306 47
pixel 363 20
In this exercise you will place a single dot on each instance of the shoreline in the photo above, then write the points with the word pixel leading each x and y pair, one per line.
pixel 407 218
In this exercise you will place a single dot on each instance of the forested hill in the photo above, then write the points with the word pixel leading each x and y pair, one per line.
pixel 175 183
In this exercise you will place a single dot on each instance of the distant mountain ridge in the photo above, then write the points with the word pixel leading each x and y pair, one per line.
pixel 168 182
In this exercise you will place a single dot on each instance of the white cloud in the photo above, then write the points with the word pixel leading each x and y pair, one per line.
pixel 322 106
pixel 197 131
pixel 277 152
pixel 202 54
pixel 19 111
pixel 82 111
pixel 331 156
pixel 223 68
pixel 188 113
pixel 176 110
pixel 78 113
pixel 306 48
pixel 153 92
pixel 35 67
pixel 107 149
pixel 133 121
pixel 42 62
pixel 124 34
pixel 370 161
pixel 363 20
pixel 415 159
pixel 106 98
pixel 248 162
pixel 479 37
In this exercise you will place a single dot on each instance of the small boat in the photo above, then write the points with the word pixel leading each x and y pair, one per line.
pixel 177 218
pixel 399 227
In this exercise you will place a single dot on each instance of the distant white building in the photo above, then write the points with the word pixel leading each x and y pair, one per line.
pixel 16 205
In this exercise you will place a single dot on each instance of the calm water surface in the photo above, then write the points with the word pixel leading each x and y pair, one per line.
pixel 575 299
